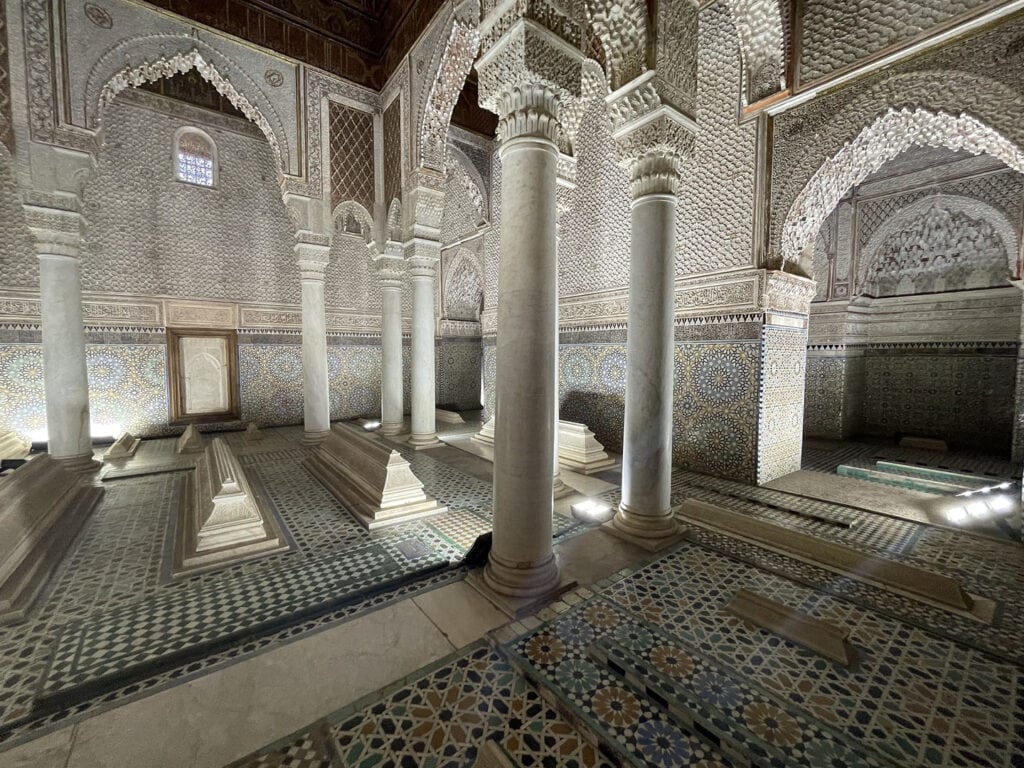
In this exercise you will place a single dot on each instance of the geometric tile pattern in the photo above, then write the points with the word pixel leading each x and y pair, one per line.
pixel 715 407
pixel 781 402
pixel 458 373
pixel 441 718
pixel 592 389
pixel 665 624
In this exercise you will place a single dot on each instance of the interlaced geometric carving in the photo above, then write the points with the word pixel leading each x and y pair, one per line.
pixel 460 50
pixel 838 33
pixel 892 133
pixel 6 133
pixel 941 243
pixel 759 26
pixel 622 26
pixel 463 288
pixel 352 177
pixel 715 218
pixel 393 151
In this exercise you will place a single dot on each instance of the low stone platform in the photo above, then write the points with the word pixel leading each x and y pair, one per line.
pixel 42 508
pixel 223 523
pixel 371 479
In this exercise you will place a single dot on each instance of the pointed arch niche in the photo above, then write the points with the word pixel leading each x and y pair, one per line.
pixel 915 327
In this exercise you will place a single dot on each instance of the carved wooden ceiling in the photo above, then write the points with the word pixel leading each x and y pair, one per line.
pixel 359 40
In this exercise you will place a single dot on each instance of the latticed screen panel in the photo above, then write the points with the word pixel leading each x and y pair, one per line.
pixel 393 152
pixel 351 155
pixel 195 159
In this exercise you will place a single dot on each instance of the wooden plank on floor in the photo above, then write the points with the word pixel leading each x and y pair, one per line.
pixel 801 628
pixel 836 557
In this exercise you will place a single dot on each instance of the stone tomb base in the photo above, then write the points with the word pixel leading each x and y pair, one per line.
pixel 371 479
pixel 221 521
pixel 42 508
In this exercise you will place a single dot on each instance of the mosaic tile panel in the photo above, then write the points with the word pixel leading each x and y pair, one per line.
pixel 965 395
pixel 270 383
pixel 21 383
pixel 441 717
pixel 458 374
pixel 781 402
pixel 127 388
pixel 354 379
pixel 834 396
pixel 592 389
pixel 716 406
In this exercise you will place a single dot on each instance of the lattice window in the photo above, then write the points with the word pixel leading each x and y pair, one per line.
pixel 351 156
pixel 393 152
pixel 195 158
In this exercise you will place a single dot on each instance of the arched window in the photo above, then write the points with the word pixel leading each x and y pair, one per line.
pixel 195 158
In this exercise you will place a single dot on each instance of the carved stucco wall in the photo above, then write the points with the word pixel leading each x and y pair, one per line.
pixel 147 233
pixel 594 247
pixel 838 33
pixel 350 279
pixel 715 223
pixel 18 264
pixel 979 76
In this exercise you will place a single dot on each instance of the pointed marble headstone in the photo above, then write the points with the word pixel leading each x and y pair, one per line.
pixel 124 447
pixel 253 433
pixel 190 441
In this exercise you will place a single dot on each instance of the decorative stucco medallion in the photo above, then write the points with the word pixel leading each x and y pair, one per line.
pixel 98 15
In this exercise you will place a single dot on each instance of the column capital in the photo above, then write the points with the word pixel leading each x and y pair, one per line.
pixel 644 124
pixel 424 205
pixel 528 110
pixel 312 259
pixel 389 269
pixel 529 46
pixel 56 231
pixel 655 173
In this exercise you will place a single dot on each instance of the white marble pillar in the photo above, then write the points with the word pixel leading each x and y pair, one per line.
pixel 392 408
pixel 422 267
pixel 57 236
pixel 646 510
pixel 521 563
pixel 312 260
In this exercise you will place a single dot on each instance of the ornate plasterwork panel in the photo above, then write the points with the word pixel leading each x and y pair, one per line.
pixel 978 77
pixel 759 27
pixel 892 133
pixel 594 236
pixel 715 220
pixel 147 233
pixel 456 59
pixel 622 27
pixel 835 34
pixel 463 287
pixel 351 163
pixel 6 130
pixel 393 151
pixel 18 263
pixel 938 244
pixel 350 280
pixel 676 54
pixel 461 173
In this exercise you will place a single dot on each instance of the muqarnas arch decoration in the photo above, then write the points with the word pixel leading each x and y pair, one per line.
pixel 891 134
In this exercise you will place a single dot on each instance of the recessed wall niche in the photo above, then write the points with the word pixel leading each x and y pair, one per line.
pixel 203 375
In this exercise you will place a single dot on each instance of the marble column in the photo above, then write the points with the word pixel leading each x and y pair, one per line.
pixel 521 563
pixel 422 268
pixel 646 511
pixel 316 400
pixel 57 235
pixel 392 408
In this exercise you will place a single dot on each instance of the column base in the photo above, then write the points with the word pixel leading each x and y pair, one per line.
pixel 518 606
pixel 82 464
pixel 391 428
pixel 559 490
pixel 423 442
pixel 649 532
pixel 314 438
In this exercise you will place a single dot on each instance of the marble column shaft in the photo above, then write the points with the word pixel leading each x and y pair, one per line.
pixel 646 509
pixel 65 378
pixel 315 385
pixel 521 562
pixel 392 405
pixel 422 269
